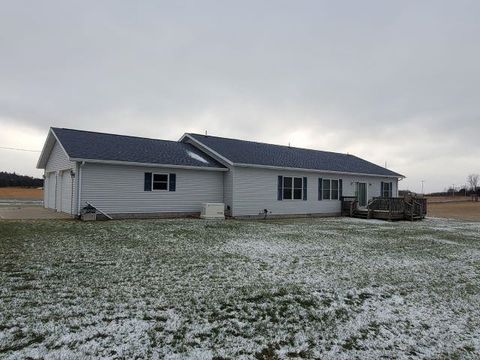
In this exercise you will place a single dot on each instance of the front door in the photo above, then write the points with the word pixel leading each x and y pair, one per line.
pixel 361 194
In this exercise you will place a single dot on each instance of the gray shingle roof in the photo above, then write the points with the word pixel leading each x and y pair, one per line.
pixel 255 153
pixel 108 147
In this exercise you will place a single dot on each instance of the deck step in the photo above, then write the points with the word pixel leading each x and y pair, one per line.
pixel 361 214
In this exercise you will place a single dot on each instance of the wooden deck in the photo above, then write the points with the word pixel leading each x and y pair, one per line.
pixel 391 209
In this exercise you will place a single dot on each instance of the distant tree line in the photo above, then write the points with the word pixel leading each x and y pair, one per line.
pixel 459 191
pixel 12 179
pixel 471 188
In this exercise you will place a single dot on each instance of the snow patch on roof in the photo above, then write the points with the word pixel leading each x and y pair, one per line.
pixel 197 157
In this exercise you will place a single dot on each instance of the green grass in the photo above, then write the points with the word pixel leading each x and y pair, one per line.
pixel 317 288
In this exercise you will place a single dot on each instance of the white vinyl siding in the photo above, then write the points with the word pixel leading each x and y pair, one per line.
pixel 118 189
pixel 256 189
pixel 59 186
pixel 373 185
pixel 58 160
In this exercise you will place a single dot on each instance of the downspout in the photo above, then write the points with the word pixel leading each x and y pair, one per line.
pixel 79 185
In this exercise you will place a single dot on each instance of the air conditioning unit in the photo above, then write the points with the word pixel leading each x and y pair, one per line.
pixel 213 211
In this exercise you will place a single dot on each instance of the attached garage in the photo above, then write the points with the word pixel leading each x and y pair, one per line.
pixel 110 171
pixel 59 178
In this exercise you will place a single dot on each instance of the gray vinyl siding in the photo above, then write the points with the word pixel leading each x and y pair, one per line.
pixel 228 188
pixel 256 189
pixel 119 189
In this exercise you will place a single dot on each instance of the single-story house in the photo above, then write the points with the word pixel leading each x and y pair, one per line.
pixel 126 176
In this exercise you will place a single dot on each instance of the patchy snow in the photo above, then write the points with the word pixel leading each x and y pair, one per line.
pixel 189 289
pixel 197 157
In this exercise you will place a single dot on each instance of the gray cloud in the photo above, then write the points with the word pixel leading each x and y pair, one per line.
pixel 389 81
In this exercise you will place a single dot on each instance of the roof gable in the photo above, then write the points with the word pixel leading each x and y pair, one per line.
pixel 241 152
pixel 87 145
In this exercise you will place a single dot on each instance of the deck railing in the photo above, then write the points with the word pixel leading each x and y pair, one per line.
pixel 387 204
pixel 392 208
pixel 349 205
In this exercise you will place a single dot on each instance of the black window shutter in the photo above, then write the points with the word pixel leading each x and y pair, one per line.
pixel 381 189
pixel 305 188
pixel 172 185
pixel 340 188
pixel 320 188
pixel 280 188
pixel 148 182
pixel 391 190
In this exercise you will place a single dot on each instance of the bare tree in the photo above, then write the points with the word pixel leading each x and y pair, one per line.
pixel 472 180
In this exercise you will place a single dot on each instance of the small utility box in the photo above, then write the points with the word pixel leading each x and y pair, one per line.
pixel 89 217
pixel 88 213
pixel 213 211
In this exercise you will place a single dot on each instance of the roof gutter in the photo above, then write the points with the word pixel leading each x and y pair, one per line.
pixel 130 163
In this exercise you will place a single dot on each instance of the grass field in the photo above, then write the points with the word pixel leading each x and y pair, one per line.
pixel 459 207
pixel 318 288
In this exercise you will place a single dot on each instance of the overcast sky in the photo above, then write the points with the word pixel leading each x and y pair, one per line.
pixel 389 81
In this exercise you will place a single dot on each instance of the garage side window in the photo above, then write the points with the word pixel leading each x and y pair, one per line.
pixel 160 182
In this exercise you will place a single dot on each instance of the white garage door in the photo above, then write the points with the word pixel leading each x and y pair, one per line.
pixel 51 183
pixel 66 197
pixel 45 191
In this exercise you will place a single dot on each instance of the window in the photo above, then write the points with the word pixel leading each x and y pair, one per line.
pixel 297 188
pixel 160 182
pixel 293 188
pixel 329 189
pixel 334 189
pixel 326 189
pixel 287 187
pixel 386 189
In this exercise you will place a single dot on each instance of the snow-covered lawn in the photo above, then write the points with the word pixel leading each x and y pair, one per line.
pixel 314 288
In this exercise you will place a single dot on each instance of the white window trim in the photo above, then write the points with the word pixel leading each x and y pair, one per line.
pixel 292 188
pixel 168 181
